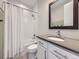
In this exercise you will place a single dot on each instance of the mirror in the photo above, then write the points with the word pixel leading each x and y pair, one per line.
pixel 63 14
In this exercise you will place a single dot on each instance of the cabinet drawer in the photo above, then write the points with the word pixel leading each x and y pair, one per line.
pixel 43 43
pixel 63 52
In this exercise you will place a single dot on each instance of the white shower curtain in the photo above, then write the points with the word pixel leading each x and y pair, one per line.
pixel 19 29
pixel 13 19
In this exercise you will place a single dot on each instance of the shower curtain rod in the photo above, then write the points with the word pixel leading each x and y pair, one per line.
pixel 21 7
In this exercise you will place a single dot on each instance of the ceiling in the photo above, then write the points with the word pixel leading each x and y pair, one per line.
pixel 29 3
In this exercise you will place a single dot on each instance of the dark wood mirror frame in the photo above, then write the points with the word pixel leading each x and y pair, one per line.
pixel 75 17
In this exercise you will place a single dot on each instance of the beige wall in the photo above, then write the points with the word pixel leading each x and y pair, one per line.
pixel 43 16
pixel 43 22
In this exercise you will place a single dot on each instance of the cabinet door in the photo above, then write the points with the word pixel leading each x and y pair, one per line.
pixel 66 54
pixel 41 54
pixel 52 55
pixel 72 56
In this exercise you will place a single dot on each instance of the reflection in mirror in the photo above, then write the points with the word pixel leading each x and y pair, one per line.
pixel 62 13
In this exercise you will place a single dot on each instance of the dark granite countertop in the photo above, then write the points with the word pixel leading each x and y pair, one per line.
pixel 68 43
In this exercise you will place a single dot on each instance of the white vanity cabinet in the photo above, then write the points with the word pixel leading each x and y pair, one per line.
pixel 63 53
pixel 53 55
pixel 41 53
pixel 42 50
pixel 47 50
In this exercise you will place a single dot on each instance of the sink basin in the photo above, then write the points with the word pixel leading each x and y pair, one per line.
pixel 55 38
